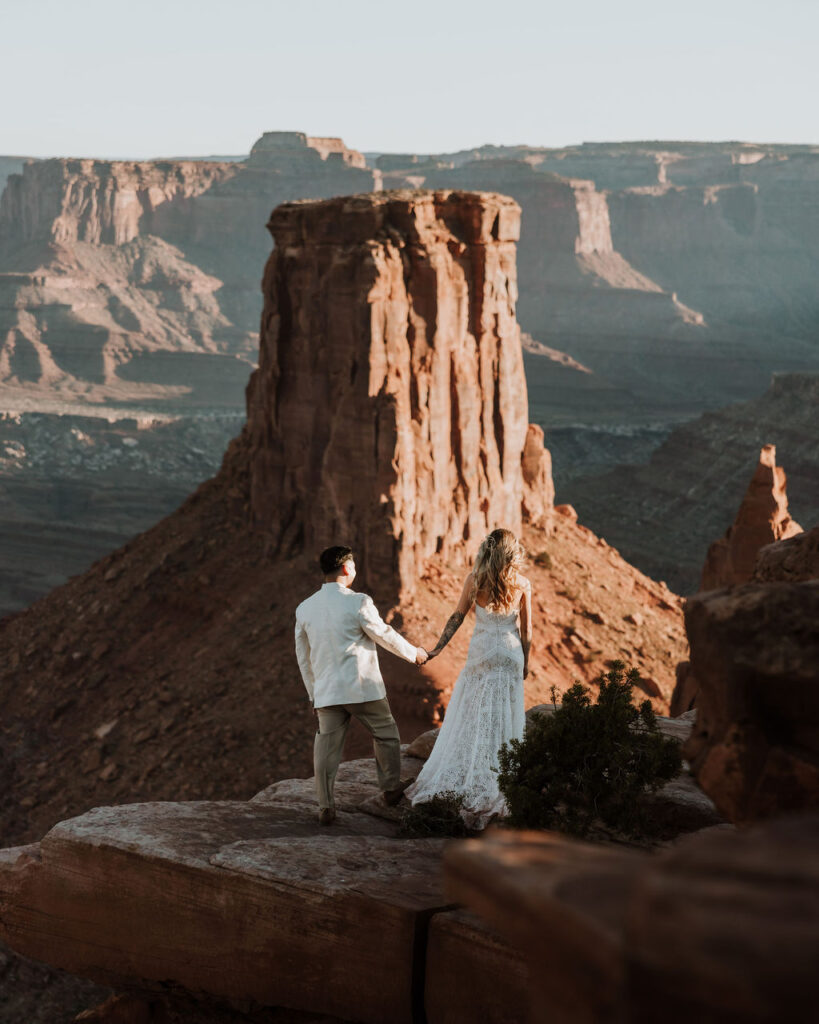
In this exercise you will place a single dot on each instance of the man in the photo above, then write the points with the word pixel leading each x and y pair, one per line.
pixel 336 633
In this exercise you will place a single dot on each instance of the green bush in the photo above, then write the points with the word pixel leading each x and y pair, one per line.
pixel 588 764
pixel 440 816
pixel 544 560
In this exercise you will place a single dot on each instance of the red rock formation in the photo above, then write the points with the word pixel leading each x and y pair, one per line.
pixel 175 652
pixel 97 201
pixel 755 666
pixel 538 487
pixel 762 518
pixel 138 281
pixel 389 408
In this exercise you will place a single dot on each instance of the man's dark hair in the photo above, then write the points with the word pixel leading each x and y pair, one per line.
pixel 332 559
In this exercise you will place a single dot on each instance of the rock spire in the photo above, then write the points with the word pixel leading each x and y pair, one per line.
pixel 762 519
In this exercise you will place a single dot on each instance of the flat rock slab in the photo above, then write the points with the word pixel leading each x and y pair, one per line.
pixel 356 789
pixel 247 902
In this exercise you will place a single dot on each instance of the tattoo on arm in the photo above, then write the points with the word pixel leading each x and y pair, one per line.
pixel 450 629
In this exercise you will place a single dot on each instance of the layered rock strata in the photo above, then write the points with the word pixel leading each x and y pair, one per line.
pixel 723 927
pixel 762 519
pixel 389 407
pixel 138 281
pixel 754 672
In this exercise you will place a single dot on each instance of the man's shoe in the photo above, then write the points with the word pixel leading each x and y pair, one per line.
pixel 327 815
pixel 393 796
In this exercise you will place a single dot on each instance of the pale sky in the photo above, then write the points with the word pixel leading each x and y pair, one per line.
pixel 152 78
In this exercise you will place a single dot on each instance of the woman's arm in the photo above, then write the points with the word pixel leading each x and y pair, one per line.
pixel 526 624
pixel 465 602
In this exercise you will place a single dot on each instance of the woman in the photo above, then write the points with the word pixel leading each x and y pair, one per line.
pixel 486 709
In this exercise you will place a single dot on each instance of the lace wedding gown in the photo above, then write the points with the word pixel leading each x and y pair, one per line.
pixel 485 711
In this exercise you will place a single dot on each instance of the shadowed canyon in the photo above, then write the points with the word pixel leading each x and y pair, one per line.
pixel 197 415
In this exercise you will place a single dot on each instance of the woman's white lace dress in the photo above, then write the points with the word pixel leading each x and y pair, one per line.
pixel 485 711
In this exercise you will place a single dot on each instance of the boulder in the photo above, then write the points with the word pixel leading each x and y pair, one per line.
pixel 267 908
pixel 421 746
pixel 762 518
pixel 794 559
pixel 755 654
pixel 723 927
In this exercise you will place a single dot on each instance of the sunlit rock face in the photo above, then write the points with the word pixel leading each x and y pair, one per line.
pixel 762 519
pixel 389 410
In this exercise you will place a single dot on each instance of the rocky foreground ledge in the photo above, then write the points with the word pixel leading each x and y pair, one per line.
pixel 253 904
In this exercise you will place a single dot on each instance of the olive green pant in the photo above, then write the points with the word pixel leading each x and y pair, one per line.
pixel 376 717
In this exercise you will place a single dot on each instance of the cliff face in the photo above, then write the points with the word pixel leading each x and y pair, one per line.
pixel 389 408
pixel 101 202
pixel 737 242
pixel 579 294
pixel 650 261
pixel 138 281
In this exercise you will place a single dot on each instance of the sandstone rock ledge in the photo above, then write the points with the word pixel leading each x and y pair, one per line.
pixel 254 904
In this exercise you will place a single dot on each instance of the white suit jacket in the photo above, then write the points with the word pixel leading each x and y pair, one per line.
pixel 336 633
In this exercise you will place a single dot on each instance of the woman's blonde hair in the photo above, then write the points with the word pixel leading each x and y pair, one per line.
pixel 497 565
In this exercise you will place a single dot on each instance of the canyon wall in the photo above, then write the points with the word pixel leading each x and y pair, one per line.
pixel 706 262
pixel 96 201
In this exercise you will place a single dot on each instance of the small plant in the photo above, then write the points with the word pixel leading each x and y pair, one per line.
pixel 553 695
pixel 544 560
pixel 440 816
pixel 588 764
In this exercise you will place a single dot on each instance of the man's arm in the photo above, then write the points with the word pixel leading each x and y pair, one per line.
pixel 303 656
pixel 384 635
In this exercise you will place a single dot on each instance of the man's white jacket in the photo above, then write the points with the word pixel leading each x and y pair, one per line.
pixel 336 633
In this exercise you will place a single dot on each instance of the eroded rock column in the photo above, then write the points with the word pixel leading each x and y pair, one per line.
pixel 389 410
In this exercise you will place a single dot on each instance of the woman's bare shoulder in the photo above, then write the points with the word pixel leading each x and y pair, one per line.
pixel 524 583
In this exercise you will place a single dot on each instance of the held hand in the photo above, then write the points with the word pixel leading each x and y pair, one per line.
pixel 525 669
pixel 433 653
pixel 421 656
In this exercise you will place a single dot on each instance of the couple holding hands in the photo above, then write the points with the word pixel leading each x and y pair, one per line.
pixel 337 630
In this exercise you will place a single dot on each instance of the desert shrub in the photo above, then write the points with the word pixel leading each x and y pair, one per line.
pixel 588 763
pixel 544 560
pixel 440 816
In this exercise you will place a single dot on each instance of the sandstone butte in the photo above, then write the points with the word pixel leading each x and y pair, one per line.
pixel 254 874
pixel 762 519
pixel 388 411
